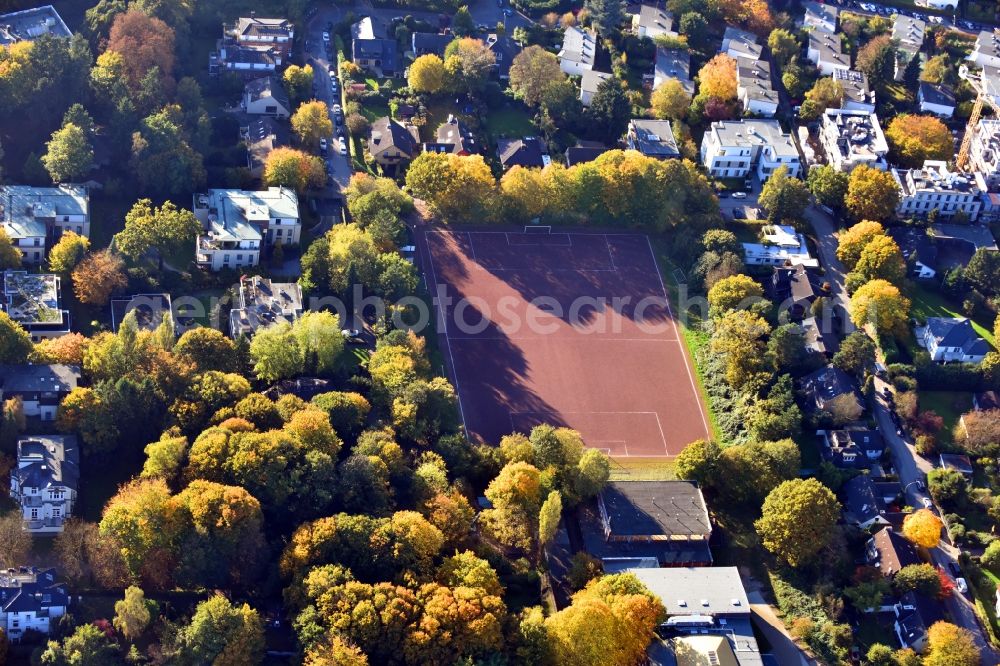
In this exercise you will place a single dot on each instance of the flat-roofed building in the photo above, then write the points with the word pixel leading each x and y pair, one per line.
pixel 238 223
pixel 852 138
pixel 33 301
pixel 857 95
pixel 739 148
pixel 36 217
pixel 934 187
pixel 263 303
pixel 29 24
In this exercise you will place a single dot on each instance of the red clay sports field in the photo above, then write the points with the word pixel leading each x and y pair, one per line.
pixel 570 328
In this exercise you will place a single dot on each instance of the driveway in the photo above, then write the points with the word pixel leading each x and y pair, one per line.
pixel 337 165
pixel 910 469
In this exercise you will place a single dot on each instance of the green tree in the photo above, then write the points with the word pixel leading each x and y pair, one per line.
pixel 77 115
pixel 828 185
pixel 610 109
pixel 606 16
pixel 222 634
pixel 15 343
pixel 163 159
pixel 276 353
pixel 468 63
pixel 288 167
pixel 784 197
pixel 462 24
pixel 784 46
pixel 86 646
pixel 880 304
pixel 165 459
pixel 298 82
pixel 670 101
pixel 134 613
pixel 856 354
pixel 69 154
pixel 549 517
pixel 799 519
pixel 824 94
pixel 68 252
pixel 877 60
pixel 10 255
pixel 532 71
pixel 922 578
pixel 694 26
pixel 516 497
pixel 164 229
pixel 734 292
pixel 311 122
pixel 697 461
pixel 207 348
pixel 319 341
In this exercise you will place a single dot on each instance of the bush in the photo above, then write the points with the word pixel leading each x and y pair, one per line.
pixel 991 557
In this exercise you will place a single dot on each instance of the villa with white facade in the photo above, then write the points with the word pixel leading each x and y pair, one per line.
pixel 30 599
pixel 35 217
pixel 780 245
pixel 852 138
pixel 934 187
pixel 738 148
pixel 238 224
pixel 45 481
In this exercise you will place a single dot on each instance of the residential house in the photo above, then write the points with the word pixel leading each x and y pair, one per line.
pixel 986 52
pixel 890 551
pixel 430 43
pixel 249 63
pixel 754 87
pixel 652 138
pixel 794 288
pixel 306 388
pixel 40 387
pixel 857 95
pixel 952 339
pixel 864 505
pixel 579 153
pixel 652 21
pixel 36 217
pixel 738 43
pixel 589 83
pixel 959 462
pixel 818 337
pixel 30 600
pixel 274 35
pixel 28 25
pixel 703 602
pixel 673 64
pixel 527 152
pixel 579 51
pixel 985 400
pixel 237 224
pixel 691 650
pixel 852 449
pixel 850 138
pixel 957 243
pixel 262 303
pixel 821 16
pixel 984 151
pixel 908 35
pixel 504 49
pixel 826 52
pixel 45 482
pixel 33 301
pixel 915 614
pixel 934 187
pixel 149 310
pixel 647 523
pixel 739 148
pixel 391 143
pixel 453 136
pixel 266 97
pixel 376 55
pixel 365 28
pixel 781 245
pixel 832 390
pixel 936 99
pixel 918 250
pixel 261 137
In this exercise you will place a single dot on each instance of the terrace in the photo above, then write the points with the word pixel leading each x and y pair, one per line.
pixel 33 301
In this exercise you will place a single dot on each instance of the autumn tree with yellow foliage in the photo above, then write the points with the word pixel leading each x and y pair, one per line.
pixel 923 528
pixel 717 78
pixel 853 240
pixel 915 138
pixel 879 303
pixel 427 74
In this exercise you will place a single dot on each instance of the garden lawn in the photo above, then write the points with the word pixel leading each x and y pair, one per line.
pixel 513 120
pixel 949 405
pixel 638 469
pixel 928 303
pixel 372 110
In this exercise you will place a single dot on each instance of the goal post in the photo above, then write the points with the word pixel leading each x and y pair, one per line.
pixel 537 229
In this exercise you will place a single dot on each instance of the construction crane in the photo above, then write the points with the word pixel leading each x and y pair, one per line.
pixel 982 97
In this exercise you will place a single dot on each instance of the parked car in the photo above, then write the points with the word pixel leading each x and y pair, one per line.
pixel 724 194
pixel 340 130
pixel 954 568
pixel 961 585
pixel 739 195
pixel 343 147
pixel 926 501
pixel 326 37
pixel 323 145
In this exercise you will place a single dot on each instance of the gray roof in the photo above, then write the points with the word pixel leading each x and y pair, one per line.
pixel 580 154
pixel 30 24
pixel 862 502
pixel 977 235
pixel 45 461
pixel 456 134
pixel 251 26
pixel 754 132
pixel 741 42
pixel 591 80
pixel 655 508
pixel 27 589
pixel 956 461
pixel 24 209
pixel 915 244
pixel 818 15
pixel 913 624
pixel 892 551
pixel 957 332
pixel 829 48
pixel 38 378
pixel 655 21
pixel 933 93
pixel 754 79
pixel 855 85
pixel 579 46
pixel 376 49
pixel 505 49
pixel 673 64
pixel 268 86
pixel 909 32
pixel 828 383
pixel 697 590
pixel 653 138
pixel 263 135
pixel 430 42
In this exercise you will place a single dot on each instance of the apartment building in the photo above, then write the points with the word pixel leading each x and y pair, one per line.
pixel 984 152
pixel 851 138
pixel 740 148
pixel 754 87
pixel 579 51
pixel 738 43
pixel 29 24
pixel 263 303
pixel 34 301
pixel 986 52
pixel 238 224
pixel 857 95
pixel 826 52
pixel 252 46
pixel 934 187
pixel 35 217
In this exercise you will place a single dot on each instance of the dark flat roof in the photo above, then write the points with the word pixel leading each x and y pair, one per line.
pixel 645 508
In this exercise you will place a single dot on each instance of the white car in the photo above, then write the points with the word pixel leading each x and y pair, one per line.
pixel 336 108
pixel 326 37
pixel 961 585
pixel 739 195
pixel 343 147
pixel 926 501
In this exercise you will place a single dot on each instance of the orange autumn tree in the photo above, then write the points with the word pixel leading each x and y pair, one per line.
pixel 923 528
pixel 717 78
pixel 915 138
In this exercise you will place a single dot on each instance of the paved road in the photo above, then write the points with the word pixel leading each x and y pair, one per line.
pixel 337 165
pixel 825 230
pixel 912 470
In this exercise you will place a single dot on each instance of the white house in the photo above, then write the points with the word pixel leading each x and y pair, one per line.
pixel 652 21
pixel 39 387
pixel 934 187
pixel 936 99
pixel 986 52
pixel 738 43
pixel 579 51
pixel 908 33
pixel 754 88
pixel 30 599
pixel 857 95
pixel 825 51
pixel 738 148
pixel 266 97
pixel 821 16
pixel 852 138
pixel 780 245
pixel 35 217
pixel 952 339
pixel 589 83
pixel 984 152
pixel 45 481
pixel 238 223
